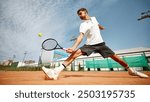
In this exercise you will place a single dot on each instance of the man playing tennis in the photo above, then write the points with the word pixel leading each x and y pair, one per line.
pixel 91 29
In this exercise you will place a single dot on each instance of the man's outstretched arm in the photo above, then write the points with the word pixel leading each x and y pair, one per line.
pixel 77 42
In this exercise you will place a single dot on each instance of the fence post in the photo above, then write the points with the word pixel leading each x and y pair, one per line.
pixel 146 60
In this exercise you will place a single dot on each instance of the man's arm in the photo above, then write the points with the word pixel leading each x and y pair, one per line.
pixel 100 27
pixel 77 42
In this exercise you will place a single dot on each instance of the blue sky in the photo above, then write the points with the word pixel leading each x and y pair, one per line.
pixel 22 20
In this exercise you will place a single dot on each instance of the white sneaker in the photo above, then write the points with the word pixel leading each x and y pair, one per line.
pixel 59 69
pixel 50 73
pixel 133 72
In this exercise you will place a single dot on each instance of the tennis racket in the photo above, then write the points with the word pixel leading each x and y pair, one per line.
pixel 51 44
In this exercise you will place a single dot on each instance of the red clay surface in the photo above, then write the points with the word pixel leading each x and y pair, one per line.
pixel 71 78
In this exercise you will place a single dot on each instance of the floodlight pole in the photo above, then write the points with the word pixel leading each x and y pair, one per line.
pixel 25 53
pixel 144 15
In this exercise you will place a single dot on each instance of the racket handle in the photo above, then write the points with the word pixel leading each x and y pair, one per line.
pixel 65 49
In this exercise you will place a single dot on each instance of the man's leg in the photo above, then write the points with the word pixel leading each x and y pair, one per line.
pixel 125 65
pixel 120 61
pixel 53 74
pixel 72 57
pixel 69 60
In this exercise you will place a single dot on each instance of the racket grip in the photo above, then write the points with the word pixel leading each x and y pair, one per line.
pixel 65 49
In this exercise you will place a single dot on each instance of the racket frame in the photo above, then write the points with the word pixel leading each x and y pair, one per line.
pixel 56 47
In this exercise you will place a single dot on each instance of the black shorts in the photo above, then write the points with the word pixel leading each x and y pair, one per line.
pixel 100 48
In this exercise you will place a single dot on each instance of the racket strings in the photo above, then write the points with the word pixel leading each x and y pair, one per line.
pixel 50 44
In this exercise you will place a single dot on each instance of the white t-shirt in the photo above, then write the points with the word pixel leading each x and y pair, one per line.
pixel 91 31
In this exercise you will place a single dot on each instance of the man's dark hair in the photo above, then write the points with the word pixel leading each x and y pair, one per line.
pixel 82 9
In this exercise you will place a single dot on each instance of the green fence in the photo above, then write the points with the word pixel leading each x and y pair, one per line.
pixel 133 61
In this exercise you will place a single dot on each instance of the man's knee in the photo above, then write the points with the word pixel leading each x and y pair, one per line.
pixel 77 53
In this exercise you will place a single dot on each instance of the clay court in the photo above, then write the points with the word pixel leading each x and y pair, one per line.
pixel 72 78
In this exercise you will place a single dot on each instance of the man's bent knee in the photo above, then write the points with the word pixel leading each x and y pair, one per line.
pixel 77 53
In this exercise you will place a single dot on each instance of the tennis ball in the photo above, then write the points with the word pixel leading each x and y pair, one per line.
pixel 40 34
